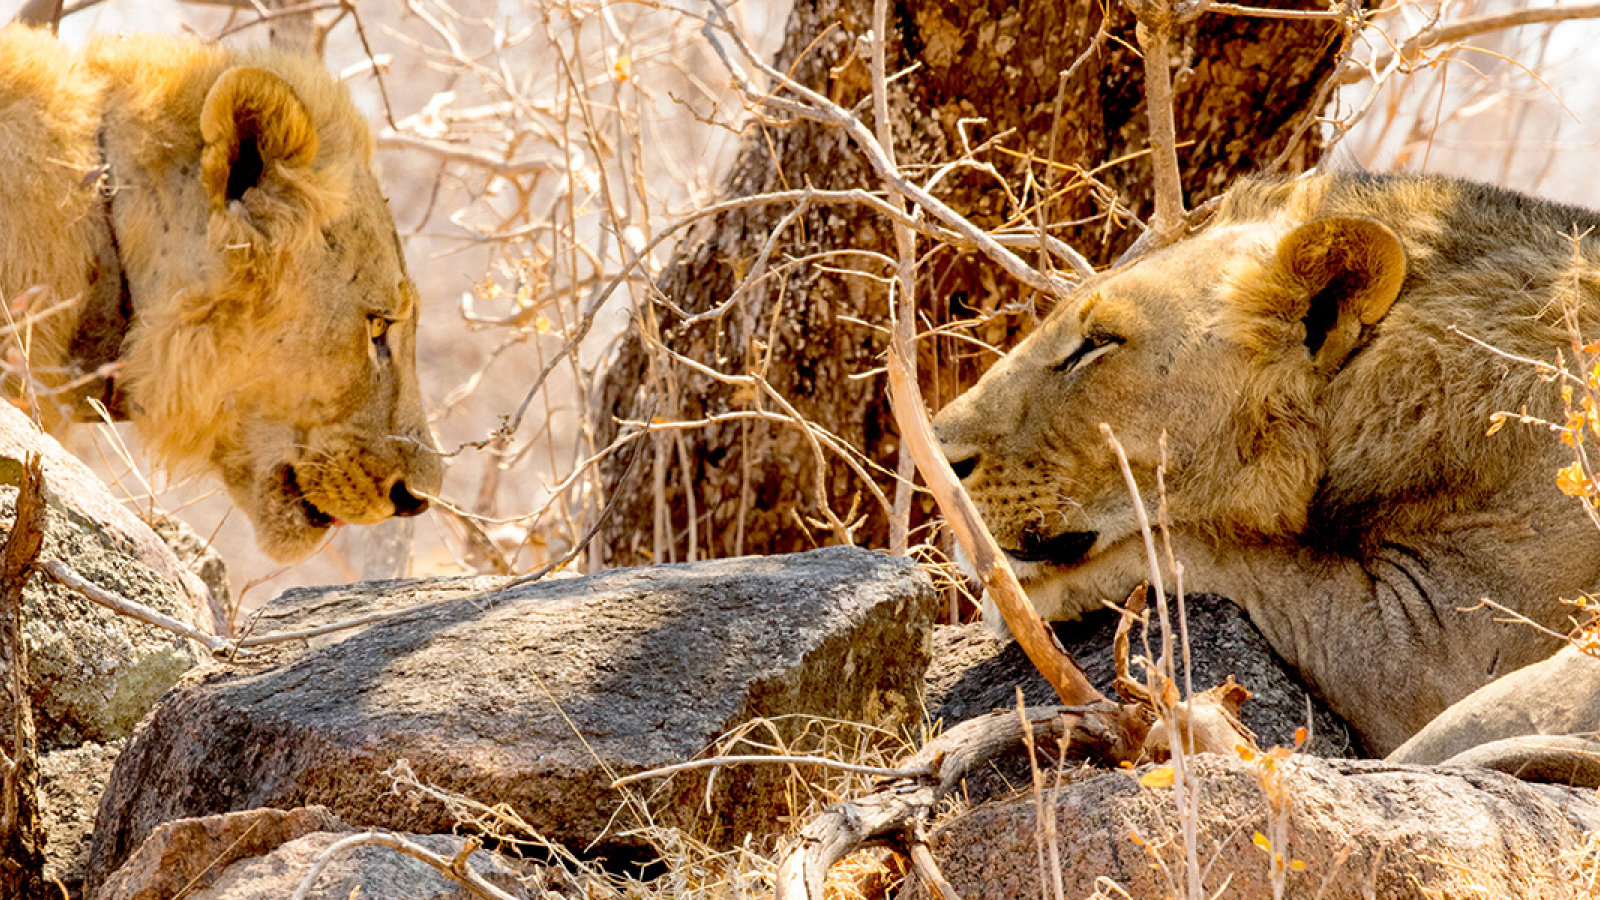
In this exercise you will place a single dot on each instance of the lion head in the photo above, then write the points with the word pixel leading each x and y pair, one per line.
pixel 1213 354
pixel 274 324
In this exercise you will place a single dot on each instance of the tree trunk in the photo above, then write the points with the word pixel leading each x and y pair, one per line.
pixel 751 486
pixel 21 832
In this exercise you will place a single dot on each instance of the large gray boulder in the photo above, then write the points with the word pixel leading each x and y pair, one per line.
pixel 1355 829
pixel 93 673
pixel 537 696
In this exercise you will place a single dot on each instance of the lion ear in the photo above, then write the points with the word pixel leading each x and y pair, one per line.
pixel 252 122
pixel 1350 269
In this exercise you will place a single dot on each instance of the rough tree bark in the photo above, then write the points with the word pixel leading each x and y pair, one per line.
pixel 1243 86
pixel 21 830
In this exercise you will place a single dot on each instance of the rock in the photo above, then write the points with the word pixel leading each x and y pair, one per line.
pixel 70 784
pixel 197 555
pixel 1361 828
pixel 365 872
pixel 974 672
pixel 94 674
pixel 187 855
pixel 1559 696
pixel 537 697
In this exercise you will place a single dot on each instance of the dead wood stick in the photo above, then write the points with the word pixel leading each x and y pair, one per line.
pixel 928 868
pixel 1037 641
pixel 897 812
pixel 21 828
pixel 64 574
pixel 455 869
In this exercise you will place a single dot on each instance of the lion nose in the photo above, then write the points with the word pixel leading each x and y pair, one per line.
pixel 405 502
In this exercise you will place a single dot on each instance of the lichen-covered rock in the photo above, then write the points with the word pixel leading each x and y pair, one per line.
pixel 363 872
pixel 185 856
pixel 94 673
pixel 70 784
pixel 1354 829
pixel 537 696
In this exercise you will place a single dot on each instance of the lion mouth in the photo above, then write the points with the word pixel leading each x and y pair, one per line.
pixel 1068 548
pixel 290 483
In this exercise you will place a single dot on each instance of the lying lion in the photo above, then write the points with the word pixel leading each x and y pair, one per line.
pixel 1312 358
pixel 202 248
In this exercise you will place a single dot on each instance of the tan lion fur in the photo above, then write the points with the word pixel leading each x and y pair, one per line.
pixel 1307 356
pixel 219 265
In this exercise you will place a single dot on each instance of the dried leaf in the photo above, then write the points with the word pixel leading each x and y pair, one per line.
pixel 1572 482
pixel 1159 777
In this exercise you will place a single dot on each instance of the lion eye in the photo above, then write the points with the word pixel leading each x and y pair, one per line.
pixel 378 330
pixel 1092 345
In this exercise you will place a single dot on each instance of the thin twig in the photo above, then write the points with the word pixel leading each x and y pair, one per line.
pixel 64 574
pixel 457 869
pixel 1435 35
pixel 763 759
pixel 1154 32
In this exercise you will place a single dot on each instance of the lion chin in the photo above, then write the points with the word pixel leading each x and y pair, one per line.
pixel 288 526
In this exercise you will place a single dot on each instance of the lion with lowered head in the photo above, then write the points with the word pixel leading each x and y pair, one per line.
pixel 203 249
pixel 1310 357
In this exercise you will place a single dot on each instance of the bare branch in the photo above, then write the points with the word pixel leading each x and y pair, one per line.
pixel 767 759
pixel 40 14
pixel 457 869
pixel 1155 39
pixel 815 106
pixel 64 574
pixel 1436 35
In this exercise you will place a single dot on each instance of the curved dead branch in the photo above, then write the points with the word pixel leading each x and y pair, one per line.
pixel 899 812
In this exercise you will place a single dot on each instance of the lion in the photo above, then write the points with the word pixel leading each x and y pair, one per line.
pixel 201 248
pixel 1316 361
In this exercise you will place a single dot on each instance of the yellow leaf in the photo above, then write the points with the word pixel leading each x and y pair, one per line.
pixel 1298 865
pixel 623 70
pixel 541 325
pixel 1260 840
pixel 1159 777
pixel 1572 482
